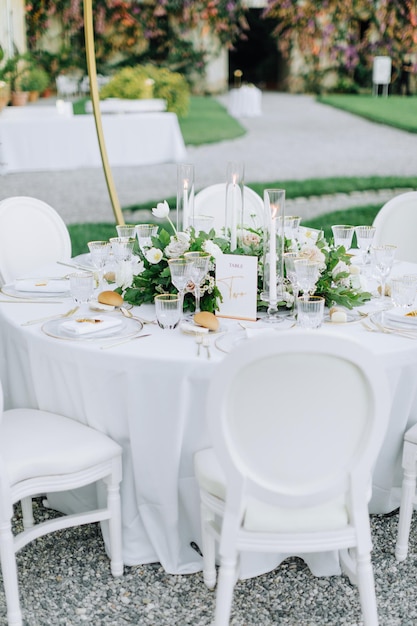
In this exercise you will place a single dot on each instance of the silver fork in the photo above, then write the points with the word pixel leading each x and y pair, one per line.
pixel 206 344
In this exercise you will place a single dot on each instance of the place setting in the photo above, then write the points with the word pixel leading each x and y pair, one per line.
pixel 37 289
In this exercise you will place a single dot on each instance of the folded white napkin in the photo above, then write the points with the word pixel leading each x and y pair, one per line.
pixel 193 329
pixel 41 285
pixel 400 315
pixel 96 325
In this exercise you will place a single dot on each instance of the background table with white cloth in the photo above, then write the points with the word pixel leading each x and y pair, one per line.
pixel 149 396
pixel 44 138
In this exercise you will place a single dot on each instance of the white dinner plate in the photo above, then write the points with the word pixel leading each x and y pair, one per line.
pixel 10 290
pixel 398 316
pixel 228 341
pixel 128 328
pixel 381 318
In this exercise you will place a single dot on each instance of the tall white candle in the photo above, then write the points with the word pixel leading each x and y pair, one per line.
pixel 273 256
pixel 185 211
pixel 233 226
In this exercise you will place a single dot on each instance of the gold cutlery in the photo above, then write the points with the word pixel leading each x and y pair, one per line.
pixel 29 301
pixel 119 343
pixel 51 317
pixel 206 345
pixel 377 328
pixel 199 341
pixel 130 315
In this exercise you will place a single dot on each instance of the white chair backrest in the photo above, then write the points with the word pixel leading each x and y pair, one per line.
pixel 212 201
pixel 297 419
pixel 396 223
pixel 32 234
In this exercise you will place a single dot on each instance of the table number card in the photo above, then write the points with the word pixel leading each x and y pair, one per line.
pixel 237 280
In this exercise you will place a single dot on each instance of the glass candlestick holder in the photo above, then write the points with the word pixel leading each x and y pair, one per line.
pixel 273 257
pixel 234 202
pixel 185 195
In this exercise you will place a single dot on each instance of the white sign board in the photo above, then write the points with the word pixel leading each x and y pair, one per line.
pixel 237 281
pixel 381 74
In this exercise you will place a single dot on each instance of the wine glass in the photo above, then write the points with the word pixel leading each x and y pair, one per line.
pixel 126 231
pixel 307 273
pixel 199 269
pixel 99 251
pixel 289 258
pixel 122 249
pixel 382 262
pixel 180 275
pixel 364 238
pixel 343 235
pixel 81 288
pixel 144 233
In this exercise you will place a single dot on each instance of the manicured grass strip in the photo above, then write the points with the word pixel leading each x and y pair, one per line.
pixel 208 122
pixel 397 111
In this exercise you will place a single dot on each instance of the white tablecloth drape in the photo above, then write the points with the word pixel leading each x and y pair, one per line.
pixel 149 396
pixel 36 142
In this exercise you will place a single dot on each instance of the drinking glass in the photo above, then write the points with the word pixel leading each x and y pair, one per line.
pixel 307 273
pixel 382 262
pixel 310 311
pixel 144 233
pixel 404 290
pixel 364 238
pixel 180 275
pixel 168 310
pixel 82 288
pixel 99 251
pixel 343 235
pixel 202 223
pixel 126 231
pixel 122 249
pixel 289 258
pixel 199 269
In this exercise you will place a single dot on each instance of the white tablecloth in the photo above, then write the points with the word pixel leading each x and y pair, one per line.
pixel 149 396
pixel 36 142
pixel 245 102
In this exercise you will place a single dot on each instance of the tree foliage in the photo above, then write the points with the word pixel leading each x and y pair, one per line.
pixel 168 32
pixel 346 35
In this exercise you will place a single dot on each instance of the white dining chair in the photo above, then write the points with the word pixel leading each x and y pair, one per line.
pixel 396 223
pixel 44 452
pixel 32 234
pixel 408 492
pixel 296 423
pixel 212 201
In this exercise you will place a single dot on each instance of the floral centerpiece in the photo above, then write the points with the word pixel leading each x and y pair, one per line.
pixel 339 281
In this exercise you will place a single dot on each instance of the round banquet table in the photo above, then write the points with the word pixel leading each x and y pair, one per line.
pixel 149 396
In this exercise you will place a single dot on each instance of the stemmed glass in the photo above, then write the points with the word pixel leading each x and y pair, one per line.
pixel 364 238
pixel 144 233
pixel 122 249
pixel 307 273
pixel 199 269
pixel 180 275
pixel 382 261
pixel 99 251
pixel 343 235
pixel 289 259
pixel 126 231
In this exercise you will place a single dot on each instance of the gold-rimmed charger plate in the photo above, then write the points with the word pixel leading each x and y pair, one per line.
pixel 10 290
pixel 128 328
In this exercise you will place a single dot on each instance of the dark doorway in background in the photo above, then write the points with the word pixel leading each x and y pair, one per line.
pixel 258 56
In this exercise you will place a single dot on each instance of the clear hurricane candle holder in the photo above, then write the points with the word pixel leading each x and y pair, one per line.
pixel 234 201
pixel 185 195
pixel 273 259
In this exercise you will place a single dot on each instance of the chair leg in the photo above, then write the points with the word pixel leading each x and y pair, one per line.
pixel 366 586
pixel 115 529
pixel 9 571
pixel 209 548
pixel 408 491
pixel 225 586
pixel 27 513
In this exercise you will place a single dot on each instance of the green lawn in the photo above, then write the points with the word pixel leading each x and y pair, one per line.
pixel 397 111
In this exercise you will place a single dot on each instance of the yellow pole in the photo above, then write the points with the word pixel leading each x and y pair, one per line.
pixel 92 75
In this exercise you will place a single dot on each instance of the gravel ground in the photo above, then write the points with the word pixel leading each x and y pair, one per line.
pixel 65 580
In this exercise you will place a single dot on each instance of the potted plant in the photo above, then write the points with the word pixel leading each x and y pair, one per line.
pixel 34 81
pixel 12 72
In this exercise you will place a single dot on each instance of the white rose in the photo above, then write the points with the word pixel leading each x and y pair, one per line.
pixel 250 239
pixel 161 210
pixel 177 246
pixel 313 254
pixel 212 248
pixel 153 255
pixel 124 274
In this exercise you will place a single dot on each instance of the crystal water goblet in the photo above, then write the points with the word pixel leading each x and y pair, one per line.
pixel 122 249
pixel 343 235
pixel 199 269
pixel 168 310
pixel 307 273
pixel 99 251
pixel 364 238
pixel 290 271
pixel 404 290
pixel 382 262
pixel 180 275
pixel 144 233
pixel 126 231
pixel 81 289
